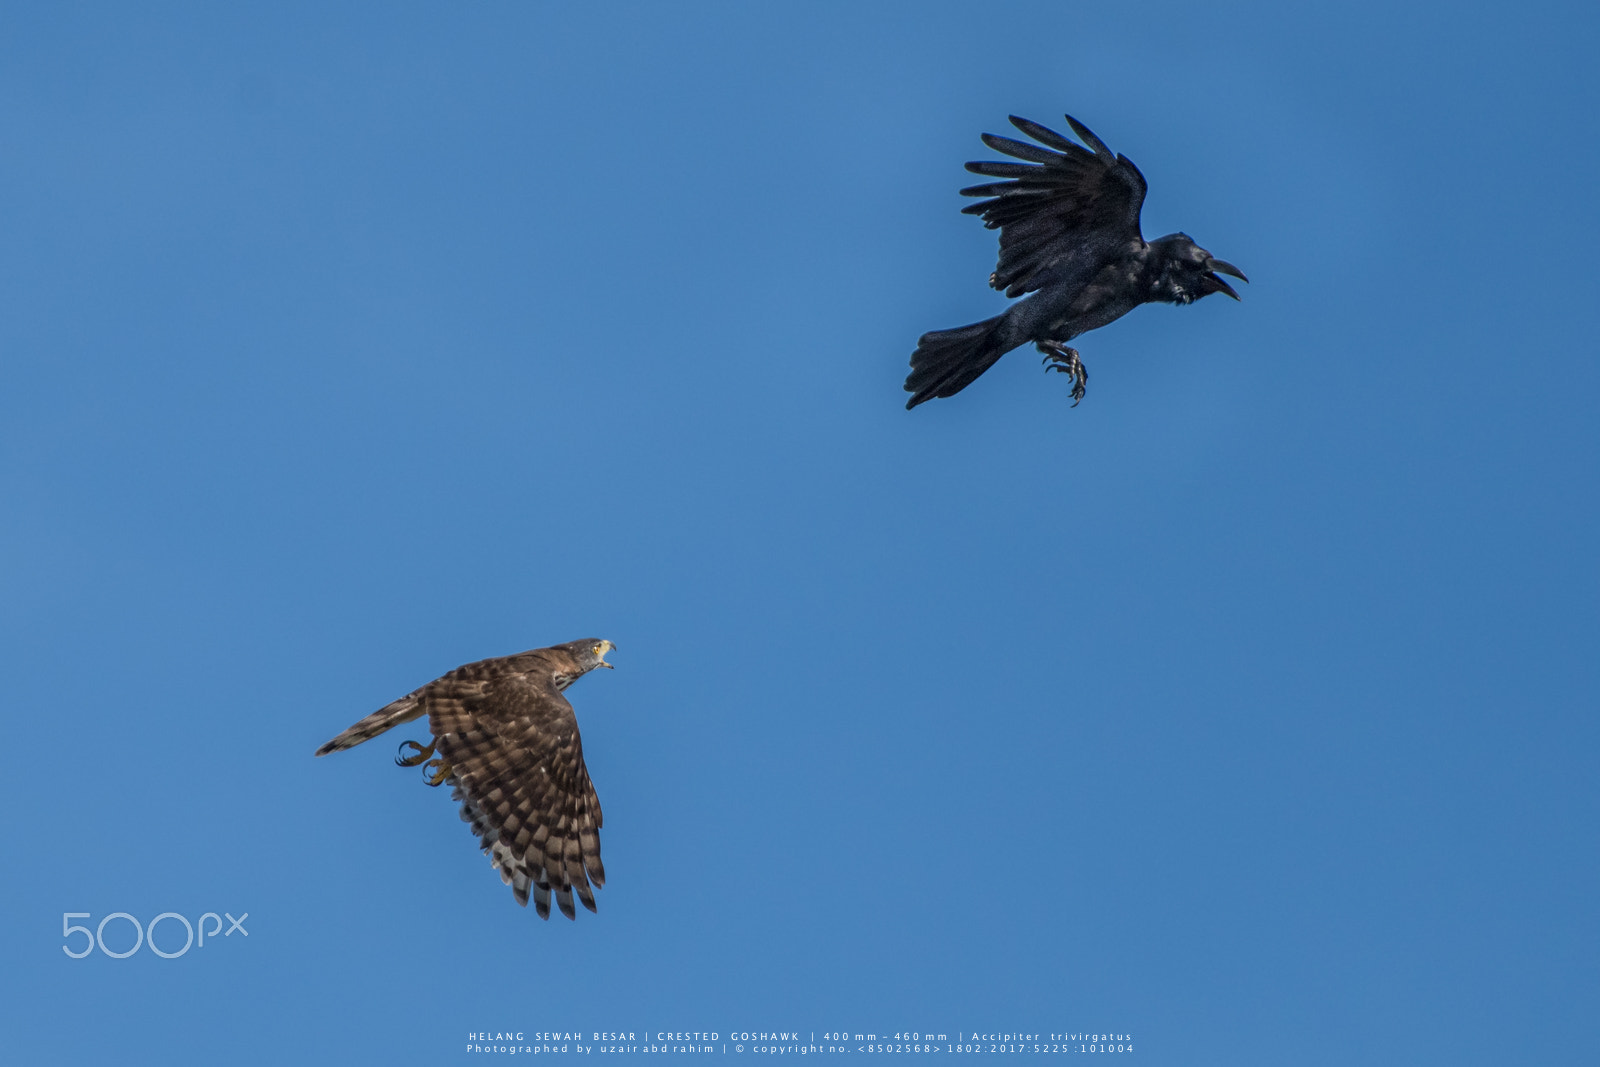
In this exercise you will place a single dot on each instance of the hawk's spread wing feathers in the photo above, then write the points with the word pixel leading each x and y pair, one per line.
pixel 511 741
pixel 1066 201
pixel 507 740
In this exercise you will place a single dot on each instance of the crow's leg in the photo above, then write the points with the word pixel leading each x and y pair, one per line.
pixel 1064 359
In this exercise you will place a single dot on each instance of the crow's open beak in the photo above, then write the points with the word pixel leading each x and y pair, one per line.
pixel 1222 266
pixel 1217 285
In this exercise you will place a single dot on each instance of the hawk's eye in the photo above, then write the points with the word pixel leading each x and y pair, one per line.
pixel 596 650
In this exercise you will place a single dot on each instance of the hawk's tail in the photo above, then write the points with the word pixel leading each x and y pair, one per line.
pixel 405 709
pixel 947 361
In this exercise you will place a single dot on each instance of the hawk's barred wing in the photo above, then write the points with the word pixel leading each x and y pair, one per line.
pixel 511 741
pixel 1070 203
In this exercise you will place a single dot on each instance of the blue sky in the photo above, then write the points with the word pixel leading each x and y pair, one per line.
pixel 1248 708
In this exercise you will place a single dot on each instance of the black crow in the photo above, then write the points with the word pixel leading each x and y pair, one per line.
pixel 1069 234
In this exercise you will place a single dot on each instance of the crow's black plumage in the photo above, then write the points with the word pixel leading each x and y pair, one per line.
pixel 1069 234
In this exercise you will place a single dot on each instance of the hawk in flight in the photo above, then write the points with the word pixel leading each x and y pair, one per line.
pixel 1069 234
pixel 507 741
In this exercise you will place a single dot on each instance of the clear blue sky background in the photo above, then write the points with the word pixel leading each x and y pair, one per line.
pixel 1249 708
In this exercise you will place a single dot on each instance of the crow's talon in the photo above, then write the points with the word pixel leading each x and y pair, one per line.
pixel 1066 360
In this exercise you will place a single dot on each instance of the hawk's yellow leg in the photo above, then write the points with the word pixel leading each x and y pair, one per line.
pixel 418 753
pixel 437 771
pixel 434 771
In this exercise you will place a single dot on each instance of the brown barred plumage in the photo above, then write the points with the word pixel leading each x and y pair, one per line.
pixel 508 741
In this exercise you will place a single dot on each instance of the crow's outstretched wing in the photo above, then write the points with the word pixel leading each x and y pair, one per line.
pixel 1059 211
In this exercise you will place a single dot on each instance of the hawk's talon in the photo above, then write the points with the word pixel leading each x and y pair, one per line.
pixel 436 772
pixel 418 753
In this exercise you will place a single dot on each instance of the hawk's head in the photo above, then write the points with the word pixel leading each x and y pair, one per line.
pixel 590 653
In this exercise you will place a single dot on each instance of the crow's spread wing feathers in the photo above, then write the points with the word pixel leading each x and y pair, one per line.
pixel 1067 203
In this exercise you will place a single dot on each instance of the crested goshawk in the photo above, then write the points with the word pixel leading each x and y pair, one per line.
pixel 507 741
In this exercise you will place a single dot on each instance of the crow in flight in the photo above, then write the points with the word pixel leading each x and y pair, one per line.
pixel 1069 234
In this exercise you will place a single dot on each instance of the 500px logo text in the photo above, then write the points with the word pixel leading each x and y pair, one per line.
pixel 145 935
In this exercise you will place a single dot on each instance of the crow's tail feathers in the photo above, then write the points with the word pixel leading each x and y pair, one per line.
pixel 947 361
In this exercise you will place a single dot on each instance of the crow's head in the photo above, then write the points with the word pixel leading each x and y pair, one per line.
pixel 1184 272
